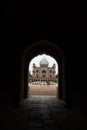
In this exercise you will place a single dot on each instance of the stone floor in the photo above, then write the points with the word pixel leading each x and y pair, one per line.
pixel 41 88
pixel 42 113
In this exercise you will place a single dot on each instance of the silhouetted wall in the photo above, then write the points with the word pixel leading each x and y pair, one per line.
pixel 21 30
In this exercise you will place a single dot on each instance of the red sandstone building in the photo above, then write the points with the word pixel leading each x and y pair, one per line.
pixel 44 72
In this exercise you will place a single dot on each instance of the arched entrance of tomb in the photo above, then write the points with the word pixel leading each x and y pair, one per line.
pixel 48 48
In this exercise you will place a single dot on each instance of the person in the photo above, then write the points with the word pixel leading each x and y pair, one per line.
pixel 48 82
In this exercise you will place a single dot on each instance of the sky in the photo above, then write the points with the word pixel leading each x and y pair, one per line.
pixel 37 60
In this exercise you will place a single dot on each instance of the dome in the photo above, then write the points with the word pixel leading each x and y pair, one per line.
pixel 44 61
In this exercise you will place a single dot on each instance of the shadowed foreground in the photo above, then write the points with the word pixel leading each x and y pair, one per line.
pixel 42 113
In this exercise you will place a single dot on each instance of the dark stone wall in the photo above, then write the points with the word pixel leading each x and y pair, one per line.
pixel 21 28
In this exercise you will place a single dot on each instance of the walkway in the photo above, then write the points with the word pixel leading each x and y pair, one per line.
pixel 42 113
pixel 41 88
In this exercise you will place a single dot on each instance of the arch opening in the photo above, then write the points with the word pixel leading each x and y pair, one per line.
pixel 48 48
pixel 43 76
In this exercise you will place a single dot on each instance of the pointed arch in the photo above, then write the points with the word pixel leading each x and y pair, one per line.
pixel 41 47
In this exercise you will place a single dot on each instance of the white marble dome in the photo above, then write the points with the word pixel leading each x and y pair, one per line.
pixel 44 61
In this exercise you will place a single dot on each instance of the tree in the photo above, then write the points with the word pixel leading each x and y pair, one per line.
pixel 57 77
pixel 29 74
pixel 29 77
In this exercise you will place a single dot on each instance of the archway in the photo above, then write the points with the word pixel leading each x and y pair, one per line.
pixel 43 76
pixel 41 47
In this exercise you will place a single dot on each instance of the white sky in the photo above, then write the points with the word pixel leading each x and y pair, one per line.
pixel 37 60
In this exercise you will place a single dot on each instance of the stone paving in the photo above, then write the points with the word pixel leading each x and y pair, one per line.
pixel 42 113
pixel 41 88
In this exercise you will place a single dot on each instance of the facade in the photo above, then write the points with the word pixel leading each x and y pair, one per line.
pixel 44 72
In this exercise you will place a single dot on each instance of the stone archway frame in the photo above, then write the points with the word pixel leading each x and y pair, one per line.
pixel 37 48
